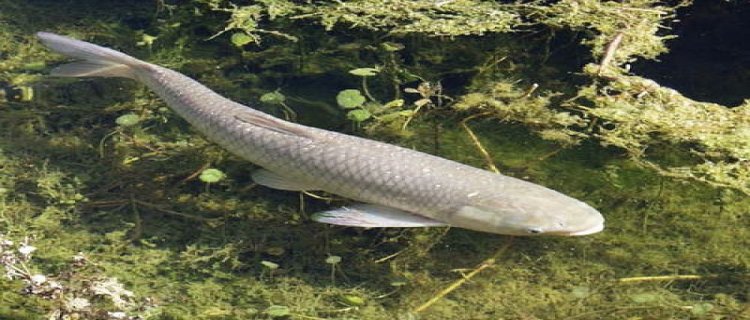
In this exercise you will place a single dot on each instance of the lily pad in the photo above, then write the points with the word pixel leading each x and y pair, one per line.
pixel 364 72
pixel 211 175
pixel 240 39
pixel 358 115
pixel 392 46
pixel 350 98
pixel 701 308
pixel 274 97
pixel 352 300
pixel 644 297
pixel 278 311
pixel 333 259
pixel 128 120
pixel 270 265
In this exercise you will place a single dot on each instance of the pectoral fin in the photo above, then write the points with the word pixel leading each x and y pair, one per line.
pixel 374 216
pixel 276 181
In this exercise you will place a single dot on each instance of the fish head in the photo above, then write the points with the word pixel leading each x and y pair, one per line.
pixel 534 211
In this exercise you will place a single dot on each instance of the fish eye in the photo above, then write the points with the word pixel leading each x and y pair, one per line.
pixel 534 230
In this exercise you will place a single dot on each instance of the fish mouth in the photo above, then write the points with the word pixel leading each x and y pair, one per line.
pixel 597 228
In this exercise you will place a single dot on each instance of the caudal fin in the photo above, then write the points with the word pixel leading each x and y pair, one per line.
pixel 96 61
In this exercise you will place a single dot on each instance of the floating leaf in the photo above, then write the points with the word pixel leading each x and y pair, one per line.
pixel 147 40
pixel 394 104
pixel 128 120
pixel 350 98
pixel 270 265
pixel 274 97
pixel 364 72
pixel 240 39
pixel 333 260
pixel 701 308
pixel 399 282
pixel 277 311
pixel 352 300
pixel 358 115
pixel 392 46
pixel 580 292
pixel 422 102
pixel 392 116
pixel 644 297
pixel 275 251
pixel 211 175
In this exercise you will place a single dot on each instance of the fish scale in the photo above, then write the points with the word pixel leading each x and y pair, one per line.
pixel 402 187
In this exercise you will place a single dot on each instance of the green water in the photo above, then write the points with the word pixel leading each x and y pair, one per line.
pixel 129 199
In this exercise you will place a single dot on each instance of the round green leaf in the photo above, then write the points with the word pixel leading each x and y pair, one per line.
pixel 364 72
pixel 278 311
pixel 399 281
pixel 333 259
pixel 701 308
pixel 392 46
pixel 211 175
pixel 350 98
pixel 352 300
pixel 128 120
pixel 269 265
pixel 358 115
pixel 274 97
pixel 394 104
pixel 644 297
pixel 580 292
pixel 240 39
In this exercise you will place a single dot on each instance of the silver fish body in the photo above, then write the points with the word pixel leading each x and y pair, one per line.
pixel 403 186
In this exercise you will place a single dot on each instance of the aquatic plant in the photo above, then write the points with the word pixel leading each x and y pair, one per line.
pixel 75 292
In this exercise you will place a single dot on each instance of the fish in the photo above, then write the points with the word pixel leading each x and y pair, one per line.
pixel 391 186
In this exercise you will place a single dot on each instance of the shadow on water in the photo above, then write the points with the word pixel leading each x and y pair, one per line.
pixel 709 59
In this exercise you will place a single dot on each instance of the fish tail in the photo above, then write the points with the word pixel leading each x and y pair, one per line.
pixel 96 61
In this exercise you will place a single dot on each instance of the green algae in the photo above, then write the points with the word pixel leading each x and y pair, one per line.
pixel 132 200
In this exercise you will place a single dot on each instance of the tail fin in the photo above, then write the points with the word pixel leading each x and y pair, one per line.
pixel 96 61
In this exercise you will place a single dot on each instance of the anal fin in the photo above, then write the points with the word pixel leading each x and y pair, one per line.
pixel 374 216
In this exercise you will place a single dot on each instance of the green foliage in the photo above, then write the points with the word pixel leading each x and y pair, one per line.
pixel 240 39
pixel 358 115
pixel 274 97
pixel 364 72
pixel 277 311
pixel 127 120
pixel 212 175
pixel 350 98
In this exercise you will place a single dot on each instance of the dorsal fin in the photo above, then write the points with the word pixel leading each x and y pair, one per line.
pixel 273 124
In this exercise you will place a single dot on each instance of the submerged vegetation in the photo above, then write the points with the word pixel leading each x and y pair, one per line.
pixel 101 170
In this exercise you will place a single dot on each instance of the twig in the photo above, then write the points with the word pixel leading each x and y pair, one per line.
pixel 138 227
pixel 530 90
pixel 390 256
pixel 666 278
pixel 172 212
pixel 482 150
pixel 609 53
pixel 453 286
pixel 196 173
